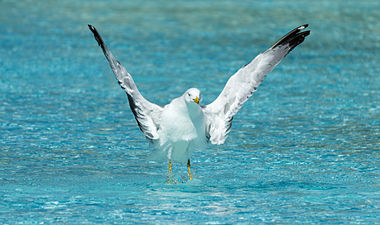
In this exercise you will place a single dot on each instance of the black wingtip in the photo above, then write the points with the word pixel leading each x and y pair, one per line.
pixel 96 35
pixel 91 27
pixel 303 26
pixel 298 39
pixel 294 36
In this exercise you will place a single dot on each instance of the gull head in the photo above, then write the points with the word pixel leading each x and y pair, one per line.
pixel 192 95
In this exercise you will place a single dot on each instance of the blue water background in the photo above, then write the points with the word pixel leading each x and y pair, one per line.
pixel 304 149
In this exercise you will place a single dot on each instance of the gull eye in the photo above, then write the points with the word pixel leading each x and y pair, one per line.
pixel 188 94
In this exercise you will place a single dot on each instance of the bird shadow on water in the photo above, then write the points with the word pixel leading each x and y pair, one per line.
pixel 179 186
pixel 177 179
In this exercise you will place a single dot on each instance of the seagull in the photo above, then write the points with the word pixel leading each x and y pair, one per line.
pixel 184 125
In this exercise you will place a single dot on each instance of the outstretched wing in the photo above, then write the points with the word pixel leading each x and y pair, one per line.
pixel 146 113
pixel 243 83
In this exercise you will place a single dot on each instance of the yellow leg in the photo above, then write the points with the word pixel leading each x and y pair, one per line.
pixel 170 172
pixel 170 167
pixel 188 168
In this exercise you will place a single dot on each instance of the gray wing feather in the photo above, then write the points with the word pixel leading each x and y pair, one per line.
pixel 243 84
pixel 146 113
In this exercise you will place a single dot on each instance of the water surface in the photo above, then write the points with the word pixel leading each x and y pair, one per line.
pixel 304 149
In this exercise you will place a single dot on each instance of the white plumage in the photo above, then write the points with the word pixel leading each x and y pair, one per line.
pixel 176 129
pixel 182 128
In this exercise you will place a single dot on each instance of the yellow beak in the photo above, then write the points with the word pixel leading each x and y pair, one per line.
pixel 196 100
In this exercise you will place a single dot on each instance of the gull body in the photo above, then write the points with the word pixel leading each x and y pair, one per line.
pixel 182 127
pixel 176 129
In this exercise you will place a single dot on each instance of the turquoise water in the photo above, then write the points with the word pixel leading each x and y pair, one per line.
pixel 304 149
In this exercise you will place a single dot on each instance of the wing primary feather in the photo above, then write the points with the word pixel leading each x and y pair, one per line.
pixel 146 113
pixel 97 37
pixel 288 36
pixel 244 82
pixel 298 39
